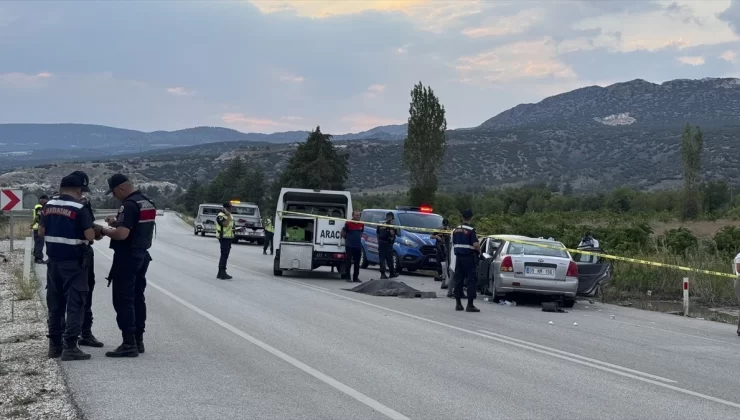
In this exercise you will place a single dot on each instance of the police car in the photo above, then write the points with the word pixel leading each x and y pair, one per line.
pixel 413 250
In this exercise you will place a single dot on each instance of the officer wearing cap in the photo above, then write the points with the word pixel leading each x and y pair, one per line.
pixel 225 233
pixel 38 241
pixel 67 229
pixel 386 239
pixel 466 248
pixel 87 338
pixel 131 237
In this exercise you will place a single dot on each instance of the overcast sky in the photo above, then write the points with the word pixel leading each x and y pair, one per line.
pixel 272 65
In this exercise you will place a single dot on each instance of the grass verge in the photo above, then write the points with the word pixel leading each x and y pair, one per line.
pixel 22 289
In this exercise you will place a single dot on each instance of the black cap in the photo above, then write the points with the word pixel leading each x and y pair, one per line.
pixel 74 181
pixel 115 181
pixel 467 214
pixel 445 222
pixel 44 197
pixel 84 176
pixel 227 205
pixel 390 213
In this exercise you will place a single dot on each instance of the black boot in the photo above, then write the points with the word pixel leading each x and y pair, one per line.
pixel 220 274
pixel 140 342
pixel 225 275
pixel 458 306
pixel 72 352
pixel 55 347
pixel 471 307
pixel 127 349
pixel 89 340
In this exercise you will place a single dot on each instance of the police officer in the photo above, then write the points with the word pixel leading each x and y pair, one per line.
pixel 269 235
pixel 67 229
pixel 38 241
pixel 466 247
pixel 131 238
pixel 225 233
pixel 87 338
pixel 386 239
pixel 443 251
pixel 352 234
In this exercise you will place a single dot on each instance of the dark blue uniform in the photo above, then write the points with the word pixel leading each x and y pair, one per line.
pixel 463 238
pixel 64 222
pixel 386 239
pixel 128 272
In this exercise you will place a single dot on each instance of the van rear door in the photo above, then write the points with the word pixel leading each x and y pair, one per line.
pixel 328 232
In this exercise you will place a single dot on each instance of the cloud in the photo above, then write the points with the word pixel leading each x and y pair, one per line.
pixel 362 122
pixel 24 81
pixel 513 62
pixel 180 91
pixel 261 124
pixel 373 91
pixel 729 56
pixel 291 78
pixel 692 60
pixel 507 25
pixel 326 8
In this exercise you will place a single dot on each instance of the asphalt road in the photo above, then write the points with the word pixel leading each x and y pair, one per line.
pixel 301 347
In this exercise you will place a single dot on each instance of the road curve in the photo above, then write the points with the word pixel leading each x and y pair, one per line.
pixel 301 347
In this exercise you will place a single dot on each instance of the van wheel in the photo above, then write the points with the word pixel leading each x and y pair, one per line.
pixel 203 233
pixel 276 271
pixel 195 232
pixel 363 260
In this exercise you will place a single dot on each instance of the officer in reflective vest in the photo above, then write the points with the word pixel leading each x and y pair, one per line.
pixel 225 233
pixel 131 237
pixel 269 235
pixel 466 247
pixel 67 229
pixel 38 241
pixel 87 337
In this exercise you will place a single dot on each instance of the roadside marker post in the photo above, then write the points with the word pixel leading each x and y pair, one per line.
pixel 11 201
pixel 685 296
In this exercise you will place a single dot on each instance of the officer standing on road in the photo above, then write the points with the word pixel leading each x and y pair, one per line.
pixel 466 247
pixel 386 239
pixel 131 239
pixel 67 229
pixel 352 234
pixel 38 241
pixel 443 250
pixel 225 233
pixel 87 338
pixel 269 235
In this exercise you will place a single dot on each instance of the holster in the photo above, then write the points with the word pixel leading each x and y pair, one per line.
pixel 86 256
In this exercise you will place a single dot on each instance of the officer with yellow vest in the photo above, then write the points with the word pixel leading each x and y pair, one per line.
pixel 269 235
pixel 38 241
pixel 225 234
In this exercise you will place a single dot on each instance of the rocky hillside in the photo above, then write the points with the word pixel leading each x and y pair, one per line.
pixel 594 138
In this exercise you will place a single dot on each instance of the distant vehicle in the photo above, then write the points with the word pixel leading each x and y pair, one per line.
pixel 160 212
pixel 205 221
pixel 510 267
pixel 413 250
pixel 304 243
pixel 593 271
pixel 248 222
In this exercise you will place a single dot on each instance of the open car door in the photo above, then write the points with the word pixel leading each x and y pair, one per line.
pixel 489 251
pixel 593 272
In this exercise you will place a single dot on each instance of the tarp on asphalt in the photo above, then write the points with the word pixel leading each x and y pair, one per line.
pixel 391 288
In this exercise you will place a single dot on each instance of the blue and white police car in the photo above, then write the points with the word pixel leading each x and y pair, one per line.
pixel 413 250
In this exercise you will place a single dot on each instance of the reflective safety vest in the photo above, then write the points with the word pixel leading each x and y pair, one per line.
pixel 226 232
pixel 65 240
pixel 296 234
pixel 270 228
pixel 36 213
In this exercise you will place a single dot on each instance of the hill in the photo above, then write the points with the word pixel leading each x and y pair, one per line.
pixel 593 138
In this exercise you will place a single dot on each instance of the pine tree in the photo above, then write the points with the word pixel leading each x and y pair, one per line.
pixel 424 147
pixel 692 143
pixel 316 164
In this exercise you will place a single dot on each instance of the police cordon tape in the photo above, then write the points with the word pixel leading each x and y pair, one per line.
pixel 537 244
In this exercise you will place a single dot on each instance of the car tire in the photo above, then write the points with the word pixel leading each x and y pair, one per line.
pixel 569 302
pixel 364 263
pixel 203 233
pixel 195 232
pixel 276 271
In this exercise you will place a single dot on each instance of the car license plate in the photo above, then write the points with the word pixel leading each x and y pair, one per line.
pixel 434 260
pixel 540 271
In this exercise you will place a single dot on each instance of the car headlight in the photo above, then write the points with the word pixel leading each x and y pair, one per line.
pixel 409 243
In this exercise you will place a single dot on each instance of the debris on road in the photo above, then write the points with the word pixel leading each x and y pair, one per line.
pixel 32 385
pixel 389 287
pixel 552 307
pixel 551 323
pixel 575 324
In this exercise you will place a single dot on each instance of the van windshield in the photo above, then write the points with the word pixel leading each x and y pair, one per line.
pixel 214 211
pixel 420 220
pixel 244 211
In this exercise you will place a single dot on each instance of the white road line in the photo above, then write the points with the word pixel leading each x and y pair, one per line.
pixel 571 356
pixel 508 340
pixel 357 395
